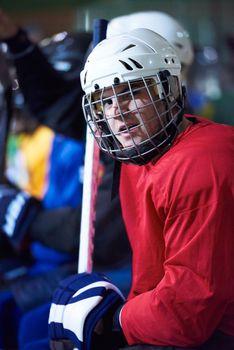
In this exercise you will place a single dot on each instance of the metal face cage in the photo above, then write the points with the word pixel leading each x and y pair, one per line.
pixel 135 121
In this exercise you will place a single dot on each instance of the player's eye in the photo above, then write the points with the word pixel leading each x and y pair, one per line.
pixel 107 102
pixel 137 92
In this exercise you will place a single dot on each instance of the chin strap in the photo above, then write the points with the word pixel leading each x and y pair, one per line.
pixel 115 179
pixel 181 101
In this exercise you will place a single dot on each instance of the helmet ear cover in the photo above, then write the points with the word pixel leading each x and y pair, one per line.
pixel 163 75
pixel 172 92
pixel 171 87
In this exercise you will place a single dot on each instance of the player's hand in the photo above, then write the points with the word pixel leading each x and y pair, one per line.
pixel 17 211
pixel 8 28
pixel 82 311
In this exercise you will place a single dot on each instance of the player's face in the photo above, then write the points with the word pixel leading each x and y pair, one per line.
pixel 131 114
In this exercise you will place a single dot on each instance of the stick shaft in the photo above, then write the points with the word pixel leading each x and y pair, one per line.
pixel 90 184
pixel 4 130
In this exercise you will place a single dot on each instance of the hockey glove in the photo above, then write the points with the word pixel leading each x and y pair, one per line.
pixel 17 211
pixel 82 311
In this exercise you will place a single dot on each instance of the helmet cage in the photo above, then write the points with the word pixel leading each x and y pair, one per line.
pixel 164 96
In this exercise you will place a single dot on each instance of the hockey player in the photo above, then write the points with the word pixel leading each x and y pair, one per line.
pixel 176 189
pixel 163 24
pixel 172 30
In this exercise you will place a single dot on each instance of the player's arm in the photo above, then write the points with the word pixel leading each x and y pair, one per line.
pixel 187 306
pixel 18 209
pixel 40 83
pixel 57 228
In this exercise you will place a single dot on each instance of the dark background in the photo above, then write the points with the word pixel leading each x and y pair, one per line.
pixel 209 22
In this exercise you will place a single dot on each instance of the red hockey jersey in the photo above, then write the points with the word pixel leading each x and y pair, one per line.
pixel 179 214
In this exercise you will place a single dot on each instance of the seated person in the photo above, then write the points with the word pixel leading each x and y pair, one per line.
pixel 53 99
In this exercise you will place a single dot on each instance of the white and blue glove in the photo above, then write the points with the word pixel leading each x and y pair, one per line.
pixel 84 310
pixel 17 211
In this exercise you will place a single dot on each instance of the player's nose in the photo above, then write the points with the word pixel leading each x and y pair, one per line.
pixel 120 106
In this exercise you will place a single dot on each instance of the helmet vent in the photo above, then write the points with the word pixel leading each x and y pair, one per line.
pixel 126 65
pixel 128 47
pixel 180 46
pixel 137 64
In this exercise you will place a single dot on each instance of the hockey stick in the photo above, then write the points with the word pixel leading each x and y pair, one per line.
pixel 5 112
pixel 4 130
pixel 90 184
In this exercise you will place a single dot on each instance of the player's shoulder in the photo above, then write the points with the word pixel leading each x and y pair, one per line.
pixel 206 127
pixel 205 136
pixel 201 144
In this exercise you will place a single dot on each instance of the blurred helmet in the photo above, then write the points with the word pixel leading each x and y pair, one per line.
pixel 67 51
pixel 160 23
pixel 119 71
pixel 11 96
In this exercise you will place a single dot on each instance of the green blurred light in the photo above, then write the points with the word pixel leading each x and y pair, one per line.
pixel 34 5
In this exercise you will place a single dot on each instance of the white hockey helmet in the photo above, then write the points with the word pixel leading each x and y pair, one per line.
pixel 138 61
pixel 161 23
